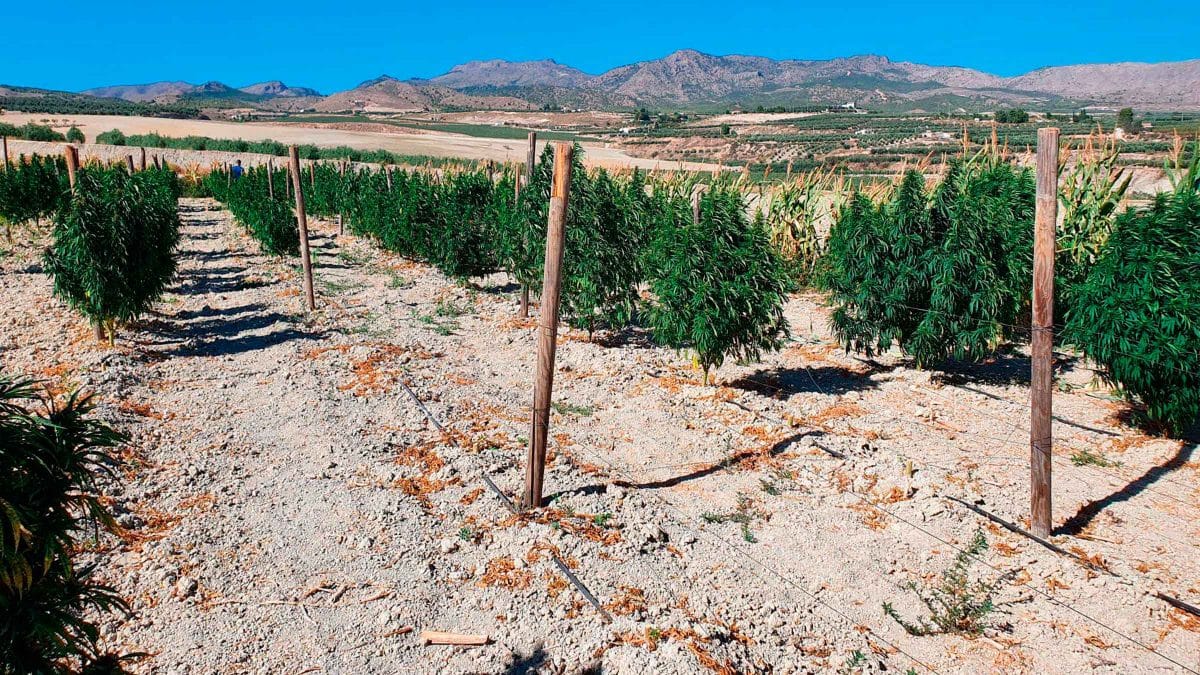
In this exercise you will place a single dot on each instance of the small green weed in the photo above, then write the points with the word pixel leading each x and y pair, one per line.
pixel 1086 457
pixel 956 604
pixel 572 409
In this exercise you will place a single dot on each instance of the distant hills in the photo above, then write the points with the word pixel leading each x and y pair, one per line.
pixel 691 80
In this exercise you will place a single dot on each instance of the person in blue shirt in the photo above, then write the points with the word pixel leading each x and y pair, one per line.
pixel 236 170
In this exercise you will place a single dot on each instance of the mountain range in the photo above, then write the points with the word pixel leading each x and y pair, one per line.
pixel 688 79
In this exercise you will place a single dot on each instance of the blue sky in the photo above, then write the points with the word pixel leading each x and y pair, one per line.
pixel 335 45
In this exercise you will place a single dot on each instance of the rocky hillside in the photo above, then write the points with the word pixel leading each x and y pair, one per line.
pixel 387 93
pixel 693 80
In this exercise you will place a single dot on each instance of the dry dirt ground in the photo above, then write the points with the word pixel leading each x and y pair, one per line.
pixel 290 509
pixel 402 140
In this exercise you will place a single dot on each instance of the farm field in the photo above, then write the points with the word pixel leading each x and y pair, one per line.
pixel 399 139
pixel 288 501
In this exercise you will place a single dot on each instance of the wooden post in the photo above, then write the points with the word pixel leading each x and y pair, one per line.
pixel 530 157
pixel 142 160
pixel 312 174
pixel 1042 367
pixel 530 160
pixel 302 220
pixel 696 206
pixel 4 149
pixel 535 466
pixel 387 173
pixel 72 157
pixel 129 163
pixel 270 180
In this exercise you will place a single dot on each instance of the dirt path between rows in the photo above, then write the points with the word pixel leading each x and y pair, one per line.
pixel 290 509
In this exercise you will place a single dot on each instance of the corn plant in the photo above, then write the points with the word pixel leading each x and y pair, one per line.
pixel 1090 191
pixel 113 250
pixel 1137 314
pixel 52 455
pixel 794 211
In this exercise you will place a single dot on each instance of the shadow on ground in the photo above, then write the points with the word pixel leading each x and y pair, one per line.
pixel 1077 523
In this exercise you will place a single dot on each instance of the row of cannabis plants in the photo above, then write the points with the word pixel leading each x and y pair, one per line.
pixel 114 233
pixel 31 189
pixel 715 284
pixel 945 273
pixel 941 271
pixel 110 257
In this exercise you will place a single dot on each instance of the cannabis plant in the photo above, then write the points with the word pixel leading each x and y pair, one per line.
pixel 114 243
pixel 944 274
pixel 32 188
pixel 460 239
pixel 51 458
pixel 1137 314
pixel 956 604
pixel 720 286
pixel 873 269
pixel 980 271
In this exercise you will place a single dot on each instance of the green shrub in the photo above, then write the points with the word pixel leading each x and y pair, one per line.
pixel 51 457
pixel 74 135
pixel 720 287
pixel 114 241
pixel 112 137
pixel 1138 312
pixel 31 132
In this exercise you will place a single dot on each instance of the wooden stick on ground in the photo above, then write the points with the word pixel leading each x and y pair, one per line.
pixel 433 637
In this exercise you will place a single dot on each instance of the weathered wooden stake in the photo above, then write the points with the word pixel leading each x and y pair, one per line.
pixel 312 174
pixel 302 220
pixel 530 160
pixel 387 172
pixel 535 466
pixel 129 164
pixel 142 160
pixel 530 157
pixel 72 157
pixel 1042 367
pixel 4 149
pixel 695 207
pixel 270 180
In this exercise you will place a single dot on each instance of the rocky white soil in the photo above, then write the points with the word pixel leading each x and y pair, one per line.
pixel 289 508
